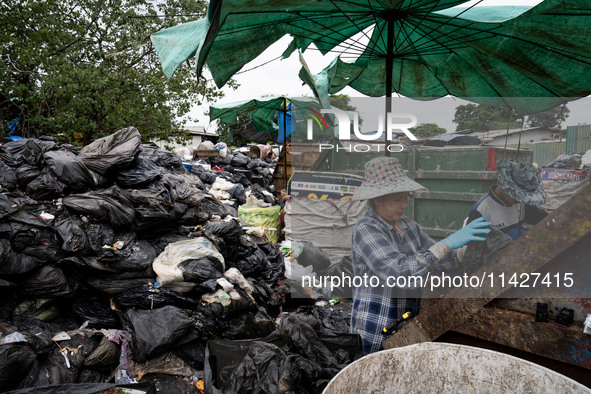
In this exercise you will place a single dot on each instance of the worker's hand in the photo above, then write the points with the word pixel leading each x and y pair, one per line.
pixel 469 233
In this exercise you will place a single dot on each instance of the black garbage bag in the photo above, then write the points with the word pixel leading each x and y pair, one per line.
pixel 203 211
pixel 201 269
pixel 36 333
pixel 88 388
pixel 149 297
pixel 46 186
pixel 106 354
pixel 26 151
pixel 251 262
pixel 49 281
pixel 162 157
pixel 69 169
pixel 269 369
pixel 16 359
pixel 230 230
pixel 238 193
pixel 326 319
pixel 25 174
pixel 256 164
pixel 112 152
pixel 13 263
pixel 115 284
pixel 206 322
pixel 8 178
pixel 305 341
pixel 142 171
pixel 110 205
pixel 89 375
pixel 74 238
pixel 7 206
pixel 275 259
pixel 249 325
pixel 239 160
pixel 139 257
pixel 204 175
pixel 192 353
pixel 98 235
pixel 241 178
pixel 169 384
pixel 157 331
pixel 187 194
pixel 314 256
pixel 96 312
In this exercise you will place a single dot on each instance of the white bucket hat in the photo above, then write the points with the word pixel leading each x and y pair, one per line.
pixel 384 175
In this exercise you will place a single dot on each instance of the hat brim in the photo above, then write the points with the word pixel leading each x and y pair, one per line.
pixel 537 197
pixel 367 190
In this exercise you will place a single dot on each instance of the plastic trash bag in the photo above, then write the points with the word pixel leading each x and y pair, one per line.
pixel 25 174
pixel 106 354
pixel 201 269
pixel 156 331
pixel 114 151
pixel 166 264
pixel 149 297
pixel 74 238
pixel 69 169
pixel 229 230
pixel 8 178
pixel 16 359
pixel 162 157
pixel 109 205
pixel 142 171
pixel 49 281
pixel 96 312
pixel 12 263
pixel 26 151
pixel 46 186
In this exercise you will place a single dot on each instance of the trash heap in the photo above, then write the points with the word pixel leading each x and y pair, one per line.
pixel 117 265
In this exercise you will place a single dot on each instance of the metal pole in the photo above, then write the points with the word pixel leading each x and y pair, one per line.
pixel 284 142
pixel 389 64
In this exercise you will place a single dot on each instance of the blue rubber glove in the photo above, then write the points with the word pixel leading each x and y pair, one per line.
pixel 469 233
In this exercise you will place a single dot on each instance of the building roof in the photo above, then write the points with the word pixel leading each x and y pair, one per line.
pixel 200 130
pixel 502 133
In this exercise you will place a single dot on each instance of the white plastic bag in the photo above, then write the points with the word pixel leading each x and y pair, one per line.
pixel 166 264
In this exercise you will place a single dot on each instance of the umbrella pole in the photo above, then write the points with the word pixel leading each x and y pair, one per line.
pixel 284 143
pixel 389 64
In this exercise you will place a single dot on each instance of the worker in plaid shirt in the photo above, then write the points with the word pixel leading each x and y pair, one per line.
pixel 386 244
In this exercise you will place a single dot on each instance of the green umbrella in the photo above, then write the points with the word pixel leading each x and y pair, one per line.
pixel 264 111
pixel 418 48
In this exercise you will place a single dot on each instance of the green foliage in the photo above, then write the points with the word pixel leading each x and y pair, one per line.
pixel 480 117
pixel 84 69
pixel 551 118
pixel 427 130
pixel 342 101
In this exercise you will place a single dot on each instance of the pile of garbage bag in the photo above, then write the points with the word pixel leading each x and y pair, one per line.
pixel 117 264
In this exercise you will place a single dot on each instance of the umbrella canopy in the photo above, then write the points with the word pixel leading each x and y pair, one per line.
pixel 266 110
pixel 418 48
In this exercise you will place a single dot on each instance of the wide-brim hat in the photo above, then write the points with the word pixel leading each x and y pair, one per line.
pixel 384 175
pixel 521 181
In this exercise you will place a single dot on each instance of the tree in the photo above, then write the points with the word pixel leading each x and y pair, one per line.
pixel 230 133
pixel 427 130
pixel 481 117
pixel 552 118
pixel 342 102
pixel 84 69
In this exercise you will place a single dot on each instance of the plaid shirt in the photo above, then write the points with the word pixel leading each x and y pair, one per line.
pixel 381 250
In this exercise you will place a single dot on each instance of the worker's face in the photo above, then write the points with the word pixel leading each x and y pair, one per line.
pixel 391 206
